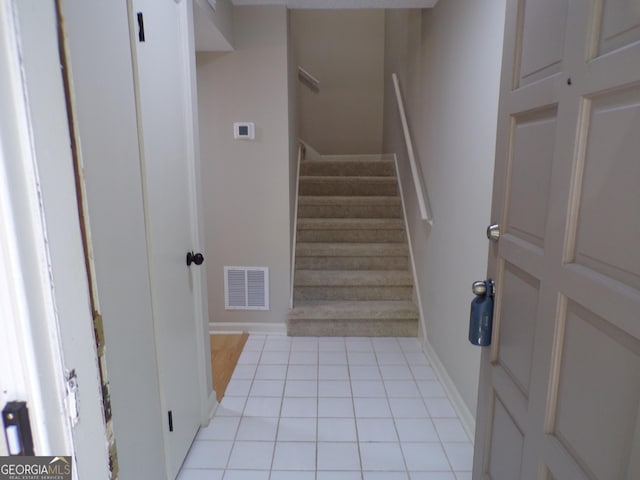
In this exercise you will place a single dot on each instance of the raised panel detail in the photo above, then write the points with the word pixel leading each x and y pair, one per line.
pixel 598 395
pixel 609 195
pixel 518 318
pixel 619 24
pixel 542 39
pixel 533 140
pixel 505 460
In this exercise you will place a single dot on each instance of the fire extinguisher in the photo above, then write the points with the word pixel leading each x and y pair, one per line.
pixel 481 319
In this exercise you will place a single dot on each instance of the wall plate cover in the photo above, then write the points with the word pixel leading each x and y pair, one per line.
pixel 244 131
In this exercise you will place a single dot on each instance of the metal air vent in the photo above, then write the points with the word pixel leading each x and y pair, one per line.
pixel 246 288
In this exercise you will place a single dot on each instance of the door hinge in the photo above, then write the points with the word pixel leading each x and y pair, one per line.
pixel 170 415
pixel 71 379
pixel 140 27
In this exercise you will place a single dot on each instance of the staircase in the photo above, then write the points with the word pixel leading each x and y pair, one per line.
pixel 352 275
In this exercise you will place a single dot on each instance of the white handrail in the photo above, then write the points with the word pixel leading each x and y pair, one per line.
pixel 301 155
pixel 308 79
pixel 423 198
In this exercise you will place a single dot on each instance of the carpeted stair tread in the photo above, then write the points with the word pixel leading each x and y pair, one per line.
pixel 352 185
pixel 353 292
pixel 363 157
pixel 353 278
pixel 343 310
pixel 351 230
pixel 350 223
pixel 352 263
pixel 378 179
pixel 348 206
pixel 354 318
pixel 344 249
pixel 349 167
pixel 348 200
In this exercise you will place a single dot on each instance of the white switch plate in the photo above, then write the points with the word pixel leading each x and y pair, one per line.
pixel 244 131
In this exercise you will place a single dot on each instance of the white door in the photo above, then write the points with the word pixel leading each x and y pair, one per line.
pixel 46 326
pixel 560 385
pixel 161 94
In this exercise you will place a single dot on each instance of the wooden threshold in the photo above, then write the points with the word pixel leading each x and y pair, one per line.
pixel 225 351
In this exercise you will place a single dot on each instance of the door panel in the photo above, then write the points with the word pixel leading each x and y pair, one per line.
pixel 542 39
pixel 530 172
pixel 161 85
pixel 517 329
pixel 561 381
pixel 608 177
pixel 619 24
pixel 507 445
pixel 511 396
pixel 599 367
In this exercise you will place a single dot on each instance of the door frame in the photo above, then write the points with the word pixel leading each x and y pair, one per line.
pixel 41 252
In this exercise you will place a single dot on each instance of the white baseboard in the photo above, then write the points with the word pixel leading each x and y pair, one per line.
pixel 468 422
pixel 255 328
pixel 212 406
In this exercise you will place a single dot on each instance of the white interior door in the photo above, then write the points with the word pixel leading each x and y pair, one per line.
pixel 46 326
pixel 161 86
pixel 560 385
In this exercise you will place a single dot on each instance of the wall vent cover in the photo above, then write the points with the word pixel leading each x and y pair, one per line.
pixel 246 288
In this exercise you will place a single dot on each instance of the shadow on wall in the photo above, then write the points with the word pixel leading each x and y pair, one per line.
pixel 344 51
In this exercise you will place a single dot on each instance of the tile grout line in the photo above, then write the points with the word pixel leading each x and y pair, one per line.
pixel 353 404
pixel 334 373
pixel 393 417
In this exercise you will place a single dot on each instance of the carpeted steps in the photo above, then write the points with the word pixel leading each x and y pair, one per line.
pixel 360 230
pixel 351 256
pixel 391 318
pixel 343 206
pixel 352 273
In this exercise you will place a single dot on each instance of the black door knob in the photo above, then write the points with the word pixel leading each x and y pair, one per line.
pixel 196 258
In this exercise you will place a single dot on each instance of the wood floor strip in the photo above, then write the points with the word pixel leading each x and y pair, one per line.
pixel 225 351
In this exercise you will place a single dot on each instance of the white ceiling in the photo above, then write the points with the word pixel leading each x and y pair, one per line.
pixel 337 4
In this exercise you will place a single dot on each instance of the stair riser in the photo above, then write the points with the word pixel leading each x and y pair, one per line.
pixel 317 278
pixel 345 328
pixel 352 236
pixel 347 188
pixel 323 313
pixel 353 293
pixel 351 250
pixel 329 168
pixel 350 224
pixel 352 263
pixel 349 211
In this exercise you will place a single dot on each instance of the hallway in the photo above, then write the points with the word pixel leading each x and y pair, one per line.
pixel 308 408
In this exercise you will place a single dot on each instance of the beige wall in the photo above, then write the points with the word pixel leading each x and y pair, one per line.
pixel 293 131
pixel 247 183
pixel 452 104
pixel 344 49
pixel 213 29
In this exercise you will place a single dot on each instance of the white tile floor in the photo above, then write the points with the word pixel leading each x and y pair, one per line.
pixel 332 409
